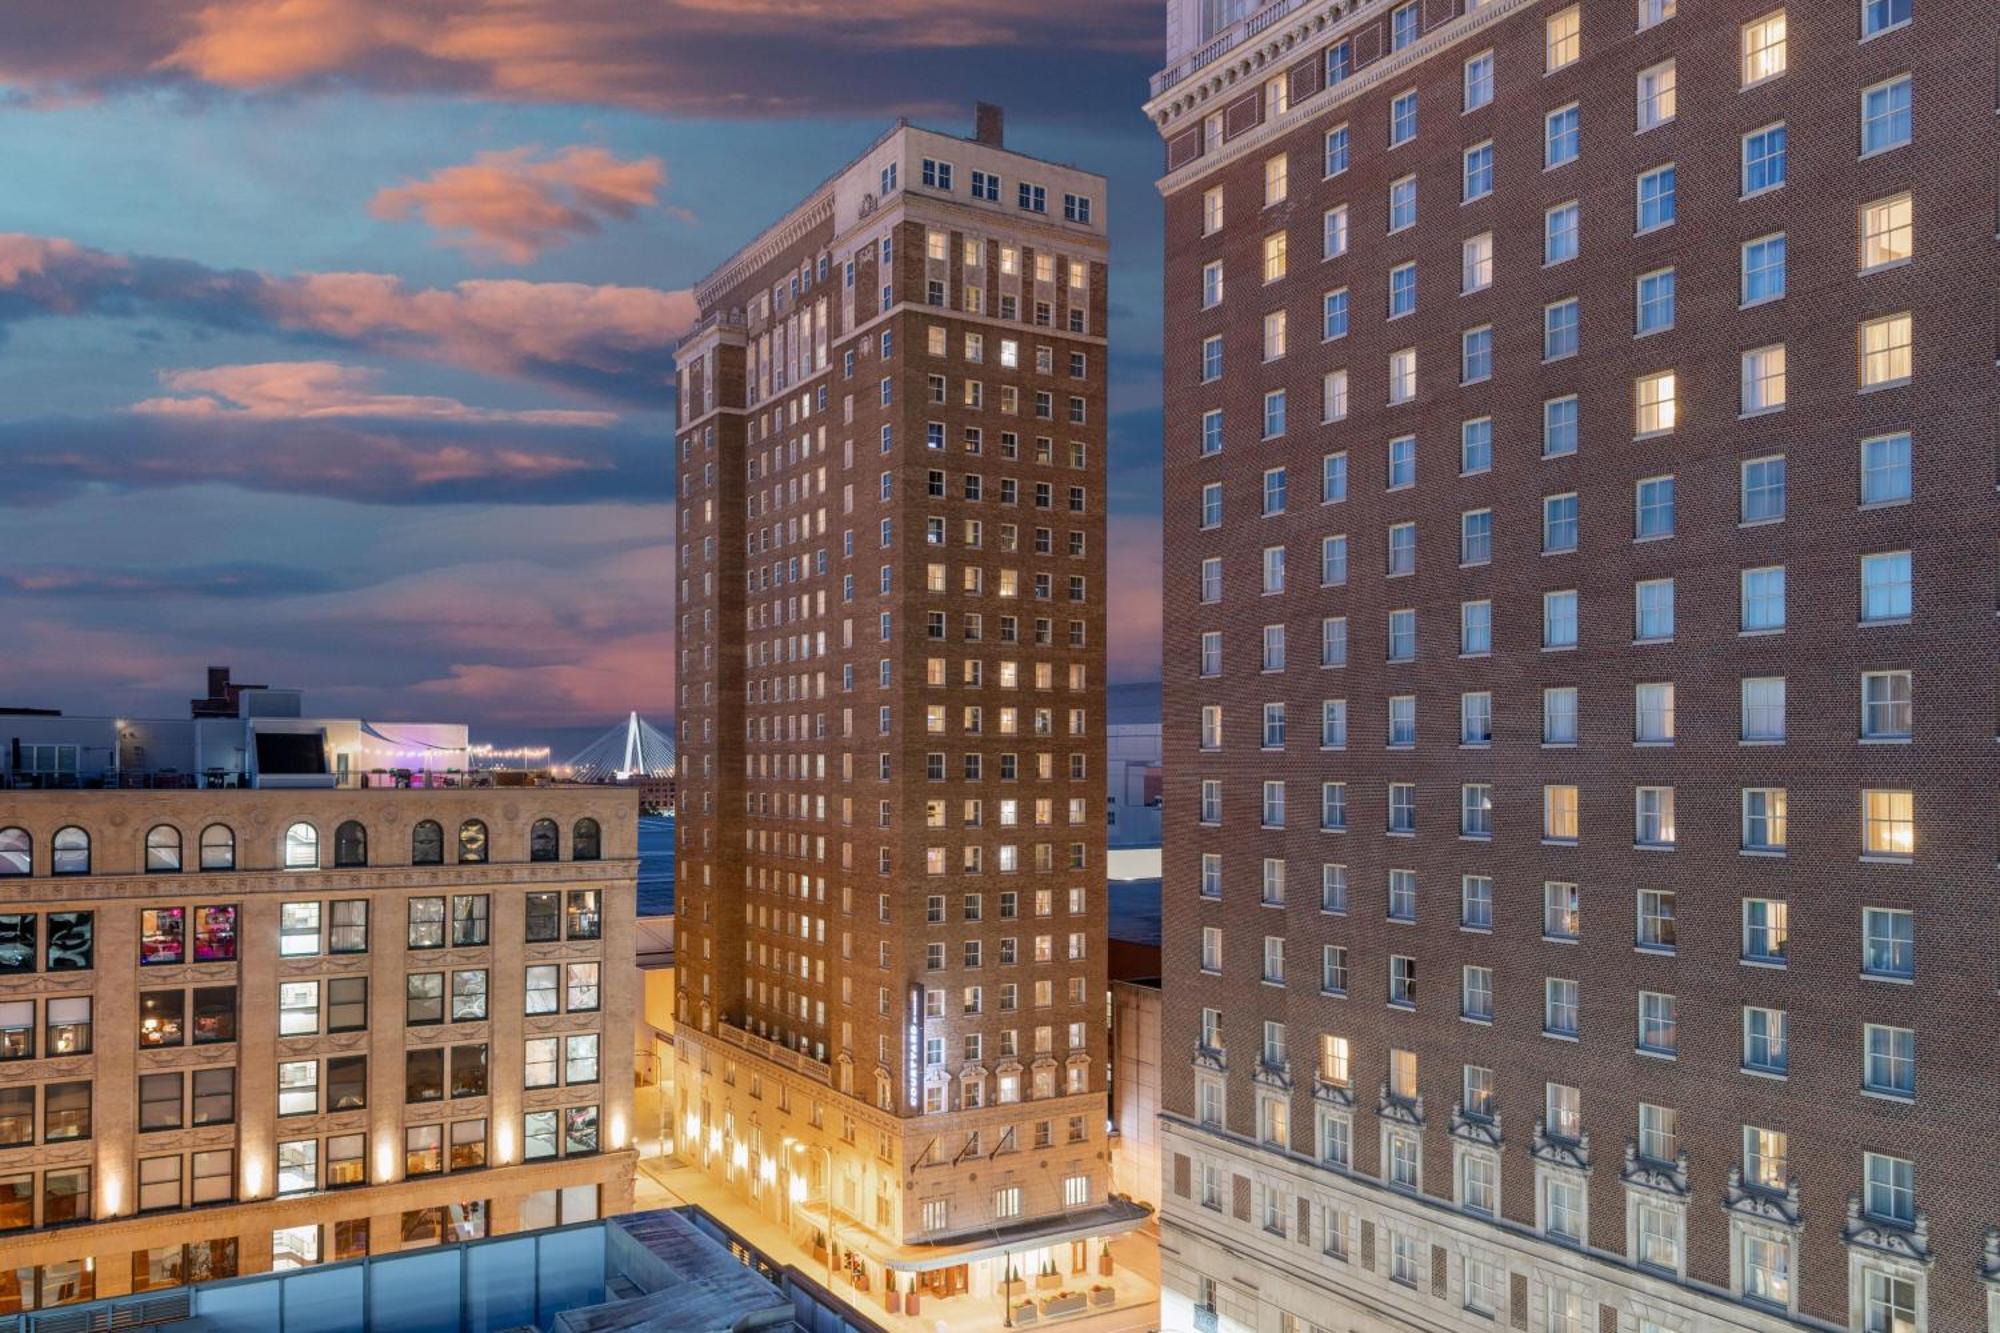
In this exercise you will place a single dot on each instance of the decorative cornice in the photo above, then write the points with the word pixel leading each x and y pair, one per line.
pixel 779 238
pixel 1272 1076
pixel 1211 1058
pixel 1912 1242
pixel 1763 1205
pixel 1398 1109
pixel 1568 1154
pixel 1646 1173
pixel 1333 1094
pixel 1483 1130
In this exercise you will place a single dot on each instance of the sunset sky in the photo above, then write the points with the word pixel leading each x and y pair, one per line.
pixel 336 335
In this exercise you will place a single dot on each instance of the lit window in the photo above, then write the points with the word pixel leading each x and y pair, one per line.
pixel 1764 48
pixel 1333 232
pixel 1655 404
pixel 1885 351
pixel 1767 931
pixel 1888 823
pixel 1887 232
pixel 1475 267
pixel 1276 247
pixel 1655 96
pixel 1211 211
pixel 1559 813
pixel 1277 179
pixel 1763 380
pixel 1403 375
pixel 1764 819
pixel 1563 39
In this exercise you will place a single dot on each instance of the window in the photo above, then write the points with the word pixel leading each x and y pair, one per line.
pixel 472 842
pixel 1765 1048
pixel 1211 211
pixel 1889 1302
pixel 1764 48
pixel 1562 136
pixel 1559 813
pixel 1475 362
pixel 1561 329
pixel 1764 817
pixel 1763 487
pixel 1274 335
pixel 1337 139
pixel 1888 943
pixel 1559 523
pixel 1402 636
pixel 1656 199
pixel 1478 82
pixel 1559 427
pixel 1274 414
pixel 1402 203
pixel 1653 713
pixel 1475 446
pixel 1885 351
pixel 1559 1007
pixel 1885 115
pixel 1477 181
pixel 1654 302
pixel 1476 994
pixel 1655 96
pixel 1656 920
pixel 427 843
pixel 1561 229
pixel 1885 587
pixel 1402 807
pixel 1475 628
pixel 1888 823
pixel 1763 599
pixel 1879 16
pixel 1402 290
pixel 1403 118
pixel 1763 380
pixel 1402 981
pixel 1764 269
pixel 1653 509
pixel 1334 324
pixel 1333 806
pixel 1766 930
pixel 1475 537
pixel 1277 179
pixel 1402 895
pixel 1887 232
pixel 301 847
pixel 1562 39
pixel 1885 469
pixel 1764 159
pixel 1403 26
pixel 1890 1067
pixel 1653 610
pixel 1559 619
pixel 1889 1193
pixel 1402 375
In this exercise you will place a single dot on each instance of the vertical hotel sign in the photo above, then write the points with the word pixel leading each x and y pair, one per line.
pixel 913 1048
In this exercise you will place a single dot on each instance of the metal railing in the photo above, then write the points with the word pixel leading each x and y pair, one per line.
pixel 1222 43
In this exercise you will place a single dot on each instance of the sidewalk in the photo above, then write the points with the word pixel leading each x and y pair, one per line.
pixel 665 1182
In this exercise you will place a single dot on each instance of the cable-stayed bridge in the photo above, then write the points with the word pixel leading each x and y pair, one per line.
pixel 634 749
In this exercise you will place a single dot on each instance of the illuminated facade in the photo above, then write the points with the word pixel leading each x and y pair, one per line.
pixel 891 917
pixel 253 1030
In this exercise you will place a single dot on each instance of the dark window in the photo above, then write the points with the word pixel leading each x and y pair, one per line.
pixel 163 850
pixel 159 1101
pixel 214 1014
pixel 347 1004
pixel 347 1083
pixel 65 1111
pixel 162 1018
pixel 349 931
pixel 468 1071
pixel 423 1075
pixel 585 921
pixel 65 1195
pixel 585 842
pixel 468 920
pixel 218 848
pixel 427 844
pixel 17 1115
pixel 544 841
pixel 215 934
pixel 70 941
pixel 17 943
pixel 162 936
pixel 544 917
pixel 71 852
pixel 214 1096
pixel 350 844
pixel 472 843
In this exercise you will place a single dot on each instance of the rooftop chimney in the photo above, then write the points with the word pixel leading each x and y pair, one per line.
pixel 989 125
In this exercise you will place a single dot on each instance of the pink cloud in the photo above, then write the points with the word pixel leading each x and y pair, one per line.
pixel 303 390
pixel 1133 598
pixel 512 205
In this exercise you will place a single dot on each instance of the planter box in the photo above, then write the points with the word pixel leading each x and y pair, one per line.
pixel 1048 1282
pixel 1025 1315
pixel 1105 1297
pixel 1061 1305
pixel 1104 1264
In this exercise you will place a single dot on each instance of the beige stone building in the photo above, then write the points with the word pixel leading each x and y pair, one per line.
pixel 245 1030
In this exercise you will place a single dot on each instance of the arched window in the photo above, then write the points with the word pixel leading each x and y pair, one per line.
pixel 218 848
pixel 544 842
pixel 472 843
pixel 71 849
pixel 163 850
pixel 302 847
pixel 350 844
pixel 427 844
pixel 585 843
pixel 17 852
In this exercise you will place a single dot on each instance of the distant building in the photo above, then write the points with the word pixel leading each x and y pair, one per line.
pixel 239 736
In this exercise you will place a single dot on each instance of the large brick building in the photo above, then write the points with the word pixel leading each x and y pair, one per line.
pixel 1579 664
pixel 891 917
pixel 262 1029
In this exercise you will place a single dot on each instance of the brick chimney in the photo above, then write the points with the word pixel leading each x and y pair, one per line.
pixel 989 125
